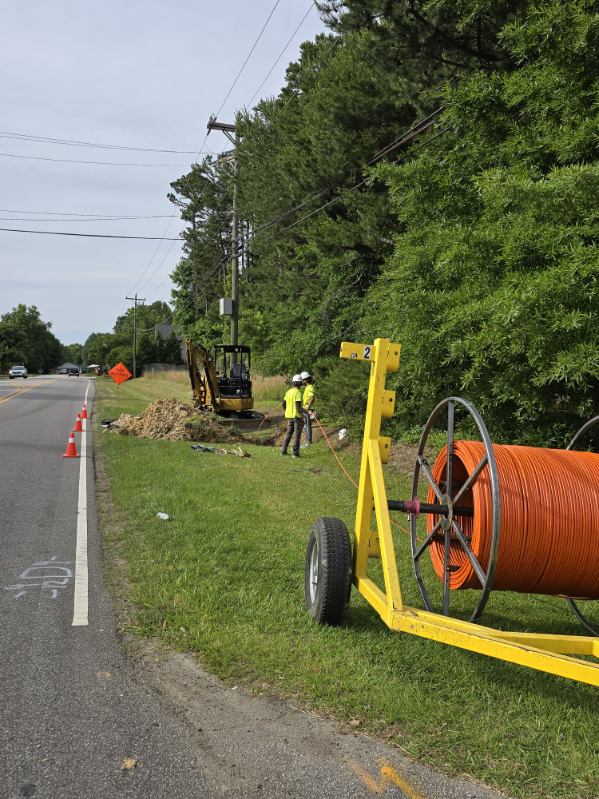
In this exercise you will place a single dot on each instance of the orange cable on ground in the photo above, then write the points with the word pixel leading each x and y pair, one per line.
pixel 549 500
pixel 348 475
pixel 345 472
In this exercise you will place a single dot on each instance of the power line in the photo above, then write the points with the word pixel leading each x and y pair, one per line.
pixel 416 129
pixel 73 213
pixel 77 161
pixel 84 235
pixel 247 58
pixel 157 269
pixel 5 134
pixel 168 224
pixel 87 219
pixel 220 108
pixel 301 22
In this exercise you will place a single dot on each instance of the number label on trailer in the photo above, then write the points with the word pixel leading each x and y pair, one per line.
pixel 356 352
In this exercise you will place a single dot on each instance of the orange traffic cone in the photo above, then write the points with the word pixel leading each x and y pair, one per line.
pixel 84 412
pixel 71 448
pixel 78 427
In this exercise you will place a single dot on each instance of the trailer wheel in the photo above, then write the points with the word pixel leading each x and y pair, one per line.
pixel 327 582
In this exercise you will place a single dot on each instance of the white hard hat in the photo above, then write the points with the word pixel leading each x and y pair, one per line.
pixel 296 379
pixel 304 375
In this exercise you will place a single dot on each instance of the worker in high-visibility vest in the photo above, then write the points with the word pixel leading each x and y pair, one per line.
pixel 307 406
pixel 292 405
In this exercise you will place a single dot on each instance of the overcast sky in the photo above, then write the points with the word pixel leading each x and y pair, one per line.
pixel 140 74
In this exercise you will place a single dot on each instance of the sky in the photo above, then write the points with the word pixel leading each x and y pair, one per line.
pixel 133 74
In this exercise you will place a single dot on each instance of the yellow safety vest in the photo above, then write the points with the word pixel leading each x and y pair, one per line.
pixel 293 396
pixel 308 394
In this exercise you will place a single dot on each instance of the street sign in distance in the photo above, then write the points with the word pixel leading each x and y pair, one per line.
pixel 120 373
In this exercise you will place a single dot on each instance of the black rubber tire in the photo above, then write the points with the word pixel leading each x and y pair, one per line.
pixel 327 599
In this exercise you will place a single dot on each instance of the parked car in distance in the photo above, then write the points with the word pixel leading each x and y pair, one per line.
pixel 17 371
pixel 62 371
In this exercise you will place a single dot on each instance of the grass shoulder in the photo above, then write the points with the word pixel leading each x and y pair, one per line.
pixel 223 578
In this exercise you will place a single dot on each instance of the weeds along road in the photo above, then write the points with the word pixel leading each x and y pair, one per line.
pixel 72 718
pixel 79 719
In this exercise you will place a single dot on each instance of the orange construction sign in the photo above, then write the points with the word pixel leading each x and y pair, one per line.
pixel 120 373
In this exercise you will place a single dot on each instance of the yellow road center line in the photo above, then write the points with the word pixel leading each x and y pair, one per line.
pixel 18 392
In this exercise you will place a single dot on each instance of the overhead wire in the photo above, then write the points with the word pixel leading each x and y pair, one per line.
pixel 4 134
pixel 291 38
pixel 253 47
pixel 416 129
pixel 220 108
pixel 72 213
pixel 85 235
pixel 88 219
pixel 79 161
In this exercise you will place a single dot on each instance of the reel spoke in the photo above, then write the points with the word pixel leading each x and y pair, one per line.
pixel 471 479
pixel 480 573
pixel 446 558
pixel 450 437
pixel 427 541
pixel 428 474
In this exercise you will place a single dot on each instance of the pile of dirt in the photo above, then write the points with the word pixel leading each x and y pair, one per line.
pixel 174 421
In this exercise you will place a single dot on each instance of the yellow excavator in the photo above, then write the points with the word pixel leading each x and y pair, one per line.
pixel 221 383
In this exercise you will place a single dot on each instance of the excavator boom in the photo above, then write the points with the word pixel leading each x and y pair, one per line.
pixel 221 384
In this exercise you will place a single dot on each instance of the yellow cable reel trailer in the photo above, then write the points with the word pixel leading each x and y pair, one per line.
pixel 221 383
pixel 451 504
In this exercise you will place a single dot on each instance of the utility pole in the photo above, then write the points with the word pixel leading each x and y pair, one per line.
pixel 135 300
pixel 228 128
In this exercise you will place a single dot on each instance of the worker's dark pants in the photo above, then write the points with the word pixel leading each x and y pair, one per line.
pixel 294 428
pixel 308 427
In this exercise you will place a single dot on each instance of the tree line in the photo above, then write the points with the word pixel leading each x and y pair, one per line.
pixel 26 339
pixel 108 349
pixel 473 243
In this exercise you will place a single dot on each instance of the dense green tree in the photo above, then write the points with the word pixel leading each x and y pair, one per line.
pixel 72 353
pixel 97 347
pixel 26 339
pixel 107 349
pixel 474 244
pixel 204 199
pixel 495 269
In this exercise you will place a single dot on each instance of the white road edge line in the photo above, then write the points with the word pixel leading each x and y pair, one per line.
pixel 81 598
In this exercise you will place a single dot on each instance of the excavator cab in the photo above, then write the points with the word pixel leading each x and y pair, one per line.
pixel 221 383
pixel 233 363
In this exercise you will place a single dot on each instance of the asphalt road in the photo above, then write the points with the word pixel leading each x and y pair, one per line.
pixel 71 715
pixel 79 719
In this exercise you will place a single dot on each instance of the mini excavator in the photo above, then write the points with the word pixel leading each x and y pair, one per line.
pixel 221 383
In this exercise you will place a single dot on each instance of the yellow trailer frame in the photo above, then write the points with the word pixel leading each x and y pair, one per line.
pixel 554 654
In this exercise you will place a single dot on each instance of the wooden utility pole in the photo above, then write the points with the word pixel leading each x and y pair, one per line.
pixel 228 128
pixel 135 300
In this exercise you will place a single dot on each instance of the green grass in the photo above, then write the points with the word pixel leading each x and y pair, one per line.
pixel 224 578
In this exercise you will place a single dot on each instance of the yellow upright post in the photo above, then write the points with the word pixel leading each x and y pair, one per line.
pixel 383 357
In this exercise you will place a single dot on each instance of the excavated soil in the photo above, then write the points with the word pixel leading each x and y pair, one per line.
pixel 175 421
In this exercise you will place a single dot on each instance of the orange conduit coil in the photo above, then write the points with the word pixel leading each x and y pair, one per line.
pixel 549 535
